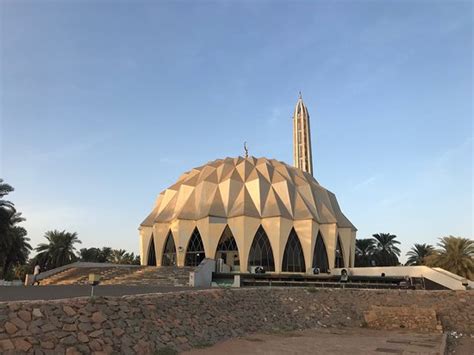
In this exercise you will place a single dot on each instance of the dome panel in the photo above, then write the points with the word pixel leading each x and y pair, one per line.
pixel 254 187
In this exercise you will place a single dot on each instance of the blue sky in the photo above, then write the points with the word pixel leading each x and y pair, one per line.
pixel 104 104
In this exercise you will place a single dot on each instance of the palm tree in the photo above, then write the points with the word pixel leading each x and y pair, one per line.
pixel 7 211
pixel 5 189
pixel 104 254
pixel 456 255
pixel 16 249
pixel 58 251
pixel 14 246
pixel 89 254
pixel 386 252
pixel 418 254
pixel 120 256
pixel 364 251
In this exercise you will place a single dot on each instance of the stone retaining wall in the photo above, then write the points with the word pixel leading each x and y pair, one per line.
pixel 143 324
pixel 421 319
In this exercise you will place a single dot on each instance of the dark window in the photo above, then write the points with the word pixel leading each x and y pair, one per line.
pixel 227 241
pixel 320 256
pixel 339 254
pixel 195 252
pixel 293 258
pixel 169 252
pixel 151 253
pixel 227 248
pixel 261 251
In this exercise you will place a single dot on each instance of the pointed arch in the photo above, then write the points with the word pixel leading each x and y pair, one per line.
pixel 195 250
pixel 169 251
pixel 227 241
pixel 261 253
pixel 320 255
pixel 227 249
pixel 339 262
pixel 293 258
pixel 151 253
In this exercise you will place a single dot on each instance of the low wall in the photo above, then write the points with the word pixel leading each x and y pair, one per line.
pixel 145 323
pixel 421 319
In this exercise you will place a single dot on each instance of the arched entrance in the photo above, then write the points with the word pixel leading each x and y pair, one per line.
pixel 195 250
pixel 293 258
pixel 227 251
pixel 261 253
pixel 320 256
pixel 151 253
pixel 339 262
pixel 169 251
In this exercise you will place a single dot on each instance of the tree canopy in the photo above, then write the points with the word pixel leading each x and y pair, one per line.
pixel 59 251
pixel 454 254
pixel 380 250
pixel 14 246
pixel 418 254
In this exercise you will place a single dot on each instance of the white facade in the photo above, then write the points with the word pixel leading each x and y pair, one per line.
pixel 245 194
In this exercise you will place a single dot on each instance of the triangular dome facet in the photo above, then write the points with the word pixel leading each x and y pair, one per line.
pixel 254 187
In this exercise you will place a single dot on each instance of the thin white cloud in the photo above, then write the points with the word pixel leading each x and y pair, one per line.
pixel 75 148
pixel 452 152
pixel 274 116
pixel 367 182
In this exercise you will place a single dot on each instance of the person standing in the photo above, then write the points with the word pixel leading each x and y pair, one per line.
pixel 35 274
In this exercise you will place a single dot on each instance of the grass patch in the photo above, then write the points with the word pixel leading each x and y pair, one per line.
pixel 166 350
pixel 202 344
pixel 285 331
pixel 256 340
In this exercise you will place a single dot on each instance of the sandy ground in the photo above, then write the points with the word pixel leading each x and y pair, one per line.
pixel 461 346
pixel 330 341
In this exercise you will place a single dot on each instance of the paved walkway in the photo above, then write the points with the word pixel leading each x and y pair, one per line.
pixel 21 293
pixel 330 341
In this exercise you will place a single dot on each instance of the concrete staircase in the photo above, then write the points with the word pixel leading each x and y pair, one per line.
pixel 132 276
pixel 150 275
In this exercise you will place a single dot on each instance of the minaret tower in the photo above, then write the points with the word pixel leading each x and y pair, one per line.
pixel 302 156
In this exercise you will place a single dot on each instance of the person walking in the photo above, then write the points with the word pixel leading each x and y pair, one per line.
pixel 35 274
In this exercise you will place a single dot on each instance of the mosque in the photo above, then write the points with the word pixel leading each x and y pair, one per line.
pixel 250 212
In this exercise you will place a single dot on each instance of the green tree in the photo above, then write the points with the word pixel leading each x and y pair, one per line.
pixel 5 189
pixel 16 249
pixel 418 254
pixel 104 254
pixel 456 255
pixel 95 255
pixel 59 250
pixel 386 252
pixel 364 251
pixel 7 211
pixel 89 254
pixel 120 256
pixel 14 246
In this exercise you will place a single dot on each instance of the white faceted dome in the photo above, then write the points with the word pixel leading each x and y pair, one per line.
pixel 253 187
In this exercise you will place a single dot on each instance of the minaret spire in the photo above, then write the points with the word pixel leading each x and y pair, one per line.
pixel 302 155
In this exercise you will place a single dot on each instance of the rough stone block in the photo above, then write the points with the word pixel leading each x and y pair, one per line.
pixel 6 344
pixel 10 328
pixel 24 315
pixel 21 344
pixel 69 311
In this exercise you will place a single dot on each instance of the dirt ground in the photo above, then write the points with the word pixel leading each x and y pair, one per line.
pixel 461 346
pixel 331 341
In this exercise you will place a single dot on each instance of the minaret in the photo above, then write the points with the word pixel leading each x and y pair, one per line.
pixel 302 156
